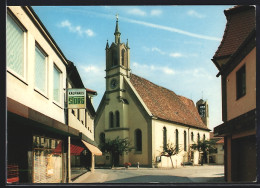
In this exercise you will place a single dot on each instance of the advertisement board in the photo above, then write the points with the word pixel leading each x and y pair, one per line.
pixel 76 98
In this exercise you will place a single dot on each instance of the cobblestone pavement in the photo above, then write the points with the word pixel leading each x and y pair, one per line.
pixel 186 174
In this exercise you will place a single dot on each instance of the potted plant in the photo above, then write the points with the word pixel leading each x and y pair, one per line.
pixel 127 164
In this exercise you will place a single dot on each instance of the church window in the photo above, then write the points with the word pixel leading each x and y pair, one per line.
pixel 192 136
pixel 138 140
pixel 198 137
pixel 123 57
pixel 204 137
pixel 114 57
pixel 185 141
pixel 111 119
pixel 177 140
pixel 117 119
pixel 102 138
pixel 164 138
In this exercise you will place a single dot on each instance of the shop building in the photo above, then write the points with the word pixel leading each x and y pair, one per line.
pixel 38 134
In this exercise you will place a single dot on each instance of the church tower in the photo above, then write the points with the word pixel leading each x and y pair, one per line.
pixel 203 109
pixel 116 108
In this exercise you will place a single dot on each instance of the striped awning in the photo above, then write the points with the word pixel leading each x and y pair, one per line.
pixel 93 149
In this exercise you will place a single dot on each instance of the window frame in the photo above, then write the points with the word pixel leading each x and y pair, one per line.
pixel 164 138
pixel 37 46
pixel 177 140
pixel 60 84
pixel 117 118
pixel 138 140
pixel 23 77
pixel 241 82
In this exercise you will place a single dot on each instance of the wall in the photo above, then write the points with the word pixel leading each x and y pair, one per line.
pixel 30 97
pixel 248 102
pixel 171 138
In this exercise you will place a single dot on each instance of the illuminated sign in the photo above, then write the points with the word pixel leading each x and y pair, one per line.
pixel 77 98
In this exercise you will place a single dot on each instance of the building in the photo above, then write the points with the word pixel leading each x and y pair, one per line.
pixel 82 148
pixel 40 133
pixel 235 59
pixel 217 157
pixel 149 115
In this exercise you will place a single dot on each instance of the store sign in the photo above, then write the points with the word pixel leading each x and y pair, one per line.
pixel 76 98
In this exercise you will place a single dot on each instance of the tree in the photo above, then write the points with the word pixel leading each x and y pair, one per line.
pixel 170 150
pixel 115 147
pixel 205 146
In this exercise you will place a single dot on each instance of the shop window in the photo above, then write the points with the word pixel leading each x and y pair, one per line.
pixel 15 47
pixel 241 82
pixel 40 70
pixel 138 140
pixel 56 84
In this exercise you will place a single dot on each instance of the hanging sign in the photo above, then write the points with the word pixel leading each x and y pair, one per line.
pixel 76 98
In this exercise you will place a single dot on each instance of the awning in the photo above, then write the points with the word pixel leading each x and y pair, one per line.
pixel 93 149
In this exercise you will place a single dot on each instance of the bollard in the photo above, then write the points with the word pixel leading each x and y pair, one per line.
pixel 137 164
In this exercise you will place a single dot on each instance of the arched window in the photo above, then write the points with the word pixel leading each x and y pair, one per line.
pixel 102 138
pixel 111 119
pixel 164 138
pixel 192 136
pixel 177 140
pixel 185 141
pixel 123 57
pixel 204 137
pixel 198 137
pixel 117 119
pixel 138 140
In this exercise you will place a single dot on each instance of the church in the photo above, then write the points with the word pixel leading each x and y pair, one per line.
pixel 150 116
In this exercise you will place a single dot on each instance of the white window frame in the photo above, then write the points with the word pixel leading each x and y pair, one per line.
pixel 44 93
pixel 10 70
pixel 60 91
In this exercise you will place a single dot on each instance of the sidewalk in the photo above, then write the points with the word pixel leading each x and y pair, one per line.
pixel 91 177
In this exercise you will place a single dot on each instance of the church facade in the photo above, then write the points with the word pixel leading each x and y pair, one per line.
pixel 150 116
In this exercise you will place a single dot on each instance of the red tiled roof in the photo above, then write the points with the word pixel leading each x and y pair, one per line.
pixel 165 104
pixel 90 91
pixel 221 141
pixel 240 23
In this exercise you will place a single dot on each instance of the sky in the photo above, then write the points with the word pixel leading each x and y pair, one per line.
pixel 171 46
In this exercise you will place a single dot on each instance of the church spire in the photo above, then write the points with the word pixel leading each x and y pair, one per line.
pixel 117 33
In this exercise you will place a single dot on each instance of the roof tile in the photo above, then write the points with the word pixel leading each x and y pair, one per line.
pixel 165 104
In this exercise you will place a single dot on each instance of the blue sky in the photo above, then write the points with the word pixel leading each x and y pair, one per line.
pixel 171 46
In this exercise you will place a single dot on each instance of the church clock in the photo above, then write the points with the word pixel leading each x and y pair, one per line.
pixel 202 110
pixel 113 83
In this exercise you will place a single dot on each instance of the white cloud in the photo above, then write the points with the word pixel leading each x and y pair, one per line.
pixel 158 50
pixel 175 55
pixel 137 12
pixel 195 14
pixel 149 68
pixel 171 29
pixel 93 69
pixel 156 12
pixel 76 29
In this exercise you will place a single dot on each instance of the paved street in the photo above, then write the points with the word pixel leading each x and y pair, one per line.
pixel 187 174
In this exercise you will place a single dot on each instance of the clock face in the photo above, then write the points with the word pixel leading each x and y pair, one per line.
pixel 113 83
pixel 202 111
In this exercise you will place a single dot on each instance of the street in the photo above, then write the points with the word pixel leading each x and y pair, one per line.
pixel 186 174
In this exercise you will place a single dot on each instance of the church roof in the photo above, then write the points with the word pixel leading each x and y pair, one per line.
pixel 166 105
pixel 240 23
